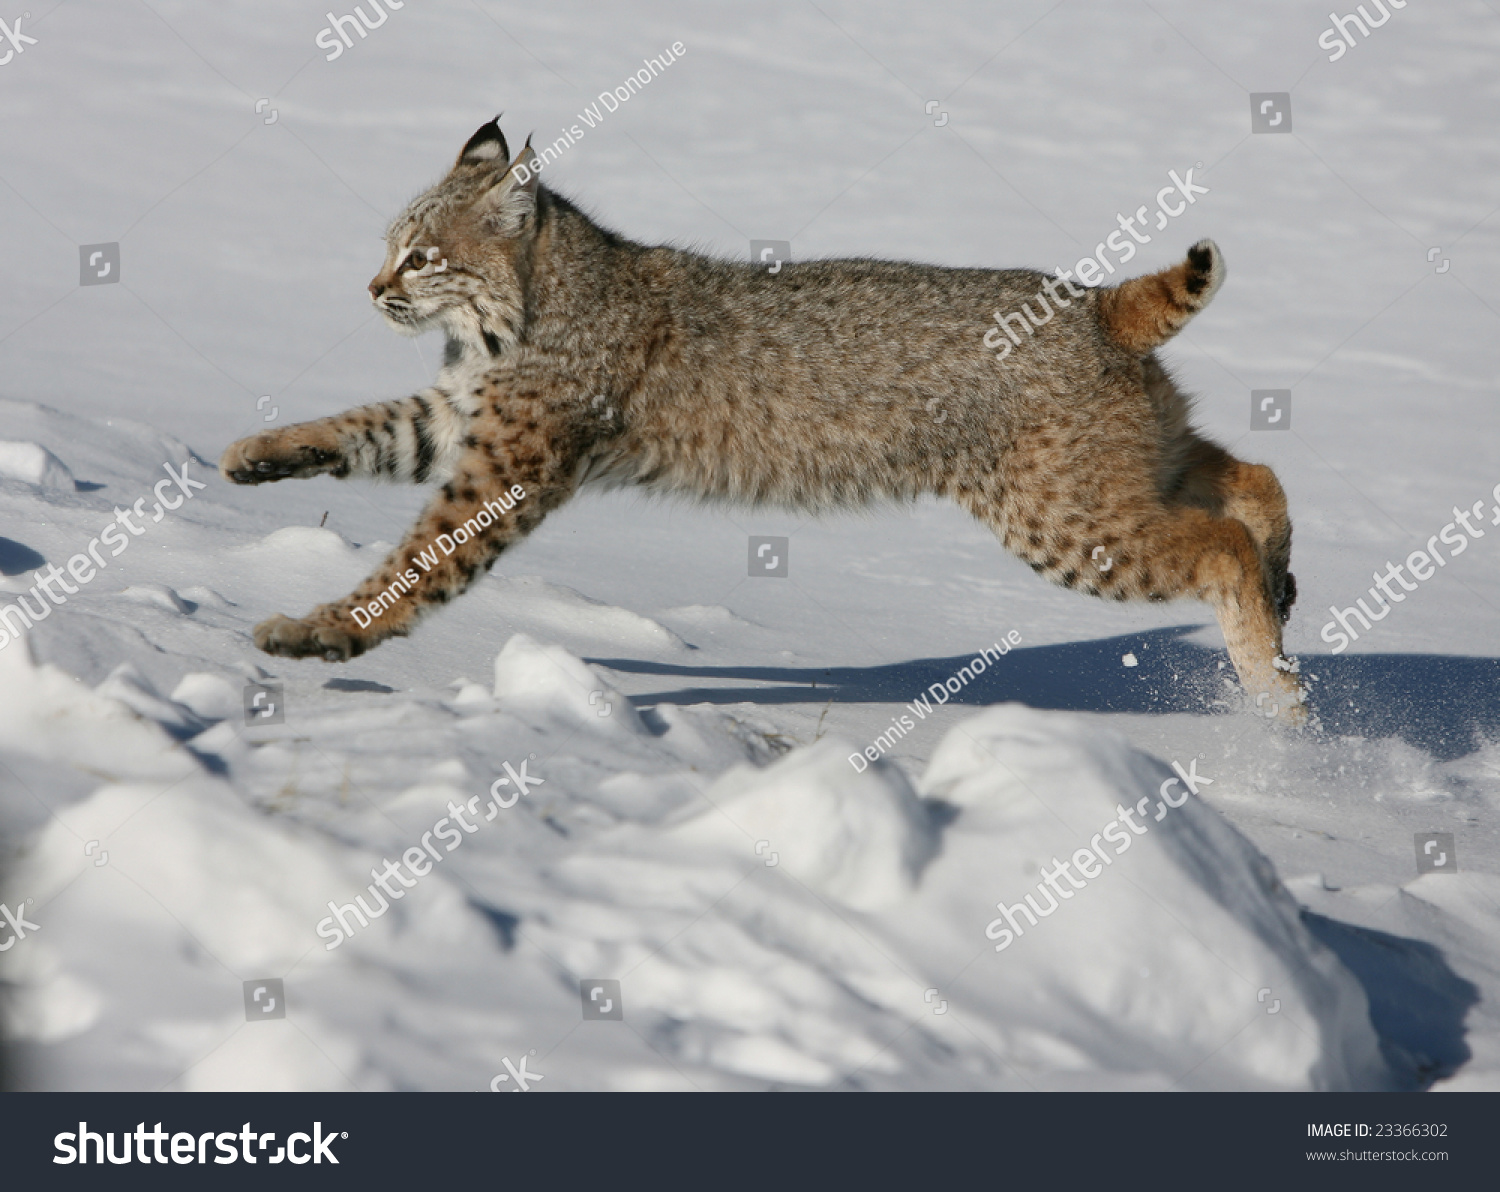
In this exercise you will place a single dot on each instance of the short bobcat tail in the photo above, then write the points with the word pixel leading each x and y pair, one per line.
pixel 1144 312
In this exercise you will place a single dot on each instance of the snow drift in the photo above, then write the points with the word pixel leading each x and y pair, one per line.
pixel 796 923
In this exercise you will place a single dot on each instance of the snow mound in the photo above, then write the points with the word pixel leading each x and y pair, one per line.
pixel 54 1006
pixel 709 617
pixel 202 595
pixel 250 891
pixel 307 544
pixel 209 697
pixel 46 713
pixel 1187 948
pixel 530 677
pixel 183 875
pixel 159 595
pixel 1471 898
pixel 127 685
pixel 115 449
pixel 861 839
pixel 563 611
pixel 801 913
pixel 32 463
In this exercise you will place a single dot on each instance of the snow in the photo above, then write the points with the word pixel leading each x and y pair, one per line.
pixel 546 681
pixel 31 463
pixel 860 841
pixel 774 917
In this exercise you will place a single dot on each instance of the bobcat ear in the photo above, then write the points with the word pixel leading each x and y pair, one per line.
pixel 485 147
pixel 510 202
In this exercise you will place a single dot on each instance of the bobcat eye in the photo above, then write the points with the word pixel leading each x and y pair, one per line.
pixel 415 261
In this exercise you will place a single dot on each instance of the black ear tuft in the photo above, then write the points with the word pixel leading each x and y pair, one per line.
pixel 486 146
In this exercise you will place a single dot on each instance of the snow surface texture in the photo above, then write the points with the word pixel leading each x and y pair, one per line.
pixel 700 855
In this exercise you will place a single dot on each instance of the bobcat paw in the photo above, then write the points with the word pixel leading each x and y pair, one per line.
pixel 273 456
pixel 1293 716
pixel 304 639
pixel 1286 705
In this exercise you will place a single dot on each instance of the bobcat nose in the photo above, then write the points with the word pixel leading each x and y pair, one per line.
pixel 376 289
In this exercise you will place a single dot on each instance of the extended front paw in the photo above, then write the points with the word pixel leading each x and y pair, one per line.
pixel 310 639
pixel 276 455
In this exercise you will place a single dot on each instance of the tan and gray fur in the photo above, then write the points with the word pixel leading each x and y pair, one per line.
pixel 575 356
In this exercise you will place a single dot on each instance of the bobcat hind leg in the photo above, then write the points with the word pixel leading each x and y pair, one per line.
pixel 1187 551
pixel 1250 493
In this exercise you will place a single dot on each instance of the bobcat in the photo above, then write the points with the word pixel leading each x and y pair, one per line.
pixel 575 356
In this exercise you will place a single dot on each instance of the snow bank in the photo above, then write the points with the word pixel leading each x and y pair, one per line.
pixel 32 463
pixel 46 713
pixel 1182 953
pixel 797 923
pixel 145 941
pixel 797 914
pixel 298 547
pixel 209 697
pixel 158 594
pixel 550 682
pixel 555 609
pixel 860 839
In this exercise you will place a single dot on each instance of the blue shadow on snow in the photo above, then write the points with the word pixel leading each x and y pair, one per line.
pixel 1444 704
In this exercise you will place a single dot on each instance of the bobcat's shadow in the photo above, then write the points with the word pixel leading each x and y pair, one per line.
pixel 1442 704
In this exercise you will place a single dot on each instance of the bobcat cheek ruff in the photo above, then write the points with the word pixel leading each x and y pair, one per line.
pixel 809 389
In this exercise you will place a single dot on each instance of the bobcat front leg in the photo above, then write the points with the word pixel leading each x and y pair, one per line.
pixel 493 500
pixel 410 439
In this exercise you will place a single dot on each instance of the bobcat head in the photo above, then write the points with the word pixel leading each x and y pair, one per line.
pixel 454 258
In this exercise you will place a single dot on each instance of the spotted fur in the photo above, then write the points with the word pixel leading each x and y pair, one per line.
pixel 576 357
